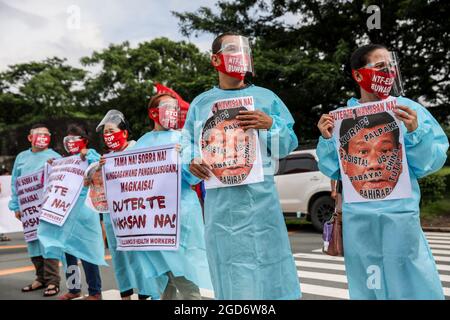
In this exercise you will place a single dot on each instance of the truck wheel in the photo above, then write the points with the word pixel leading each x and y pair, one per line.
pixel 321 211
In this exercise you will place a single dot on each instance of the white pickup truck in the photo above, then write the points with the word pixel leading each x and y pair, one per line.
pixel 304 191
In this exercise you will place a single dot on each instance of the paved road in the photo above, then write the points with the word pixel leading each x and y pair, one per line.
pixel 321 276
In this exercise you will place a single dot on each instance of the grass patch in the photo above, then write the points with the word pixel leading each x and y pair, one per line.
pixel 296 222
pixel 437 208
pixel 444 171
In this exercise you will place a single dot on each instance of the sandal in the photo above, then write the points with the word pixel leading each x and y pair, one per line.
pixel 54 289
pixel 30 288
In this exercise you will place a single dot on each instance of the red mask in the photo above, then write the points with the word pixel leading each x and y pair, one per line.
pixel 166 118
pixel 41 141
pixel 234 63
pixel 377 82
pixel 115 141
pixel 75 147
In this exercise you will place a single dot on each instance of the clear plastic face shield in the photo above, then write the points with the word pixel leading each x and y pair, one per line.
pixel 74 144
pixel 382 76
pixel 236 55
pixel 167 113
pixel 40 137
pixel 114 117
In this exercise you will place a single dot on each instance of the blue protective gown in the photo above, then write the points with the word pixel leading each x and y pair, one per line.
pixel 247 243
pixel 81 234
pixel 387 234
pixel 190 259
pixel 129 272
pixel 28 162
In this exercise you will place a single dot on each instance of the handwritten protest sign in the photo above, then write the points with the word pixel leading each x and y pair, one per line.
pixel 234 154
pixel 30 190
pixel 143 192
pixel 371 152
pixel 63 184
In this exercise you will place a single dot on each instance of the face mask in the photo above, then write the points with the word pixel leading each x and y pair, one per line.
pixel 115 141
pixel 376 81
pixel 41 141
pixel 75 146
pixel 232 65
pixel 166 115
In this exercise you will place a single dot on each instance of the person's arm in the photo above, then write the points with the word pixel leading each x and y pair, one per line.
pixel 13 204
pixel 92 156
pixel 426 147
pixel 190 154
pixel 282 139
pixel 326 148
pixel 333 184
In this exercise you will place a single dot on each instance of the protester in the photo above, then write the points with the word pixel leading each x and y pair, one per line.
pixel 246 237
pixel 129 273
pixel 185 269
pixel 80 237
pixel 386 253
pixel 27 162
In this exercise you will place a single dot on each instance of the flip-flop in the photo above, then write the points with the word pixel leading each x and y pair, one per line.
pixel 29 288
pixel 55 289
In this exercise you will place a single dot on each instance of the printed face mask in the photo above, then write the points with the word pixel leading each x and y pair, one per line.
pixel 234 65
pixel 41 141
pixel 115 141
pixel 378 82
pixel 74 145
pixel 167 114
pixel 235 57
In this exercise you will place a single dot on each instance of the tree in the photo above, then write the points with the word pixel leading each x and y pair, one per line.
pixel 124 81
pixel 39 90
pixel 304 62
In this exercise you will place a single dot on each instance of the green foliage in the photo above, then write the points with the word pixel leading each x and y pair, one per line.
pixel 121 79
pixel 432 188
pixel 126 74
pixel 303 61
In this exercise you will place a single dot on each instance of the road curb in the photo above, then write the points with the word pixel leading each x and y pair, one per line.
pixel 436 229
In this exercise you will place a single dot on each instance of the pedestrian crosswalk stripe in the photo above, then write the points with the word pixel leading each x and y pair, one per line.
pixel 438 238
pixel 441 258
pixel 447 292
pixel 444 277
pixel 447 242
pixel 439 246
pixel 319 265
pixel 332 258
pixel 437 251
pixel 434 251
pixel 319 257
pixel 302 274
pixel 442 234
pixel 324 291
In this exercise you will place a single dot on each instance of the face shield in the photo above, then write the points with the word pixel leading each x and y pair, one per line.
pixel 236 57
pixel 112 116
pixel 382 77
pixel 167 114
pixel 74 144
pixel 40 138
